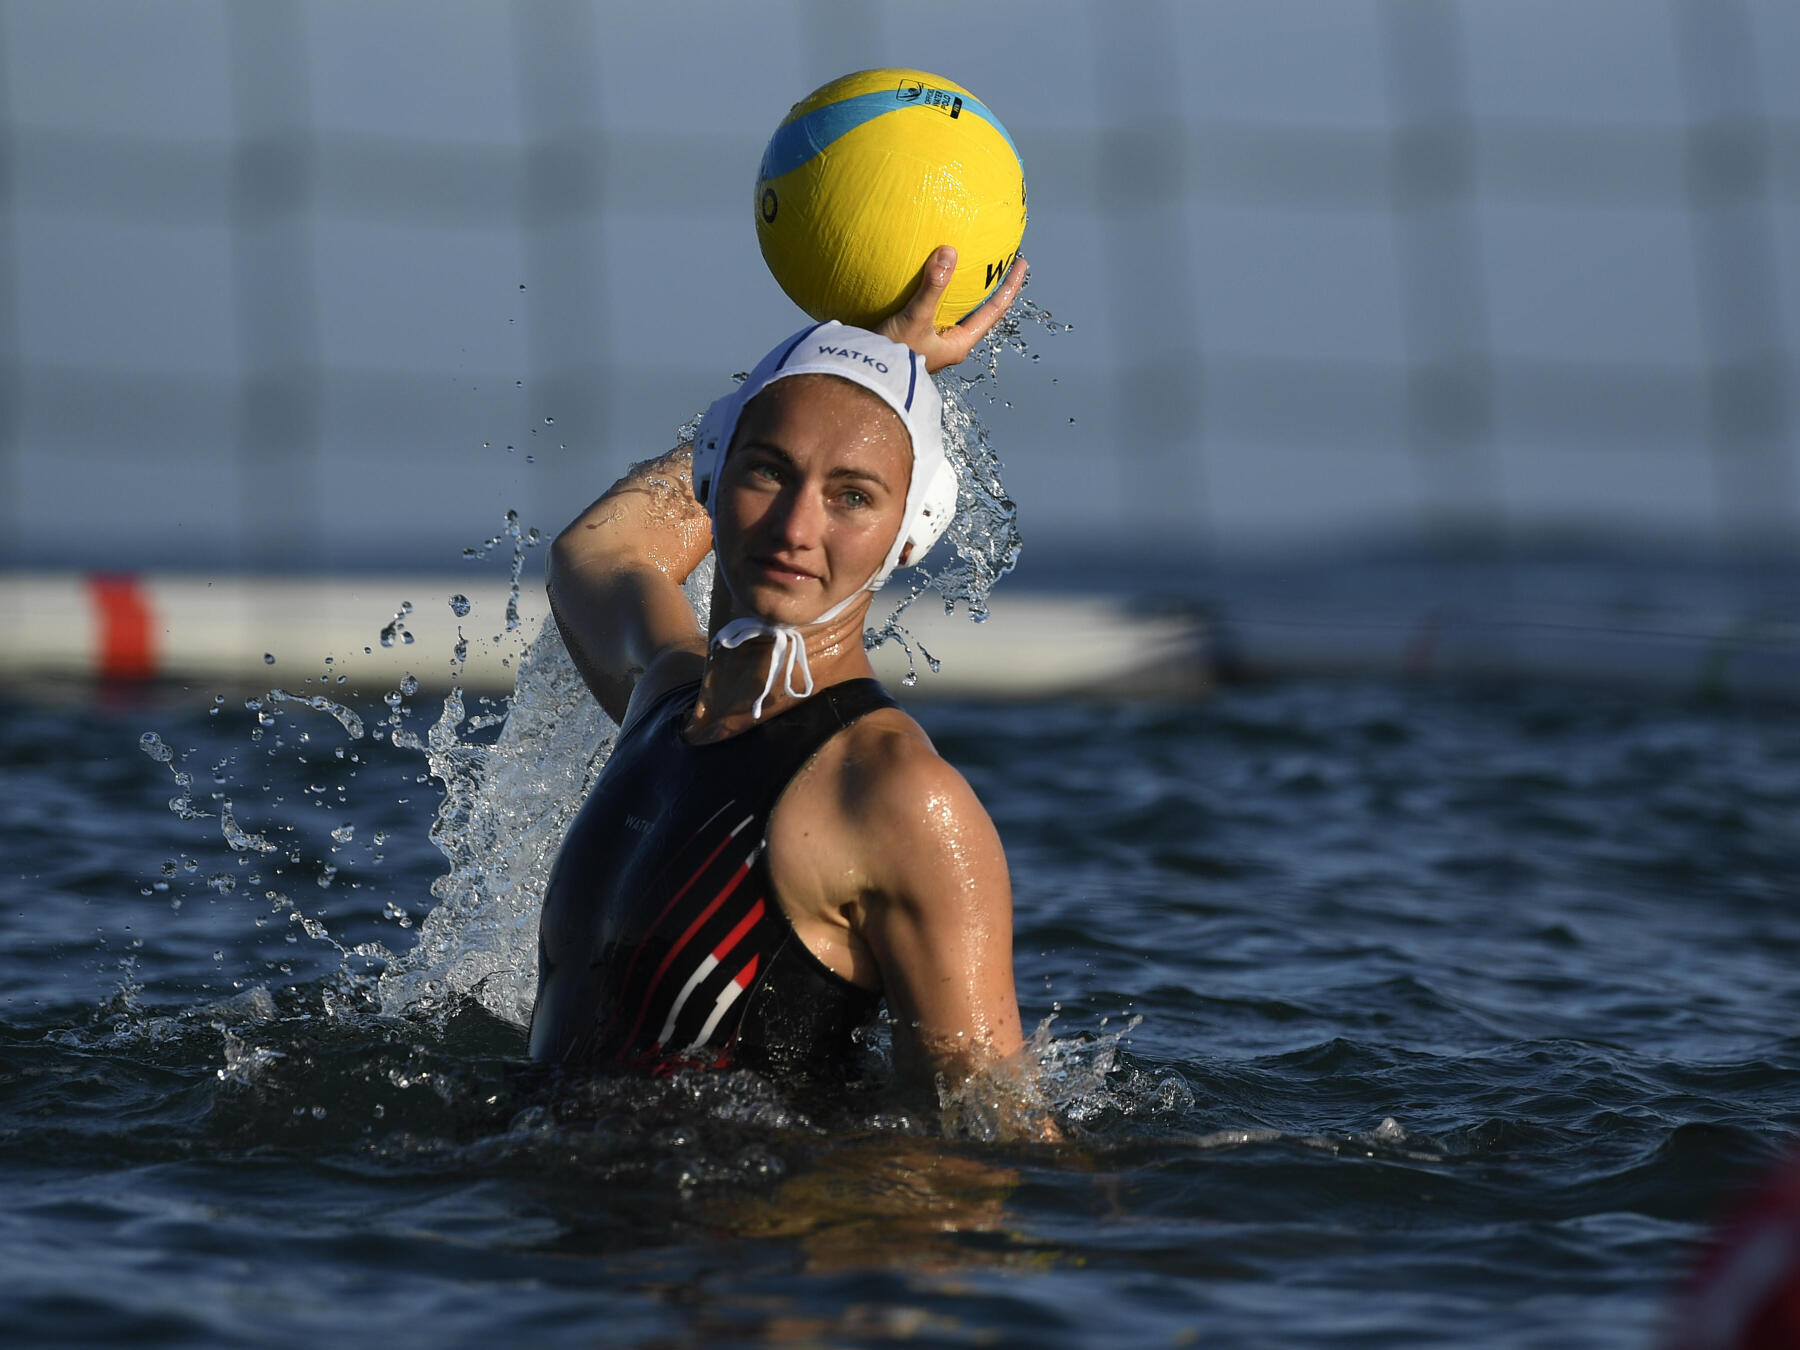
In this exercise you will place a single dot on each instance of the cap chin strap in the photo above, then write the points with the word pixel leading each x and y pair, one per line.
pixel 790 643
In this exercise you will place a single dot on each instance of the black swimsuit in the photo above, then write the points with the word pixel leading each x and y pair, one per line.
pixel 662 944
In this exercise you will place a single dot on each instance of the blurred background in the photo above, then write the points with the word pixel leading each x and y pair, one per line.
pixel 1446 288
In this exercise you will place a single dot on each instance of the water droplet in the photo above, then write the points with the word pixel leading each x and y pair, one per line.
pixel 549 421
pixel 459 606
pixel 268 658
pixel 409 686
pixel 344 833
pixel 396 627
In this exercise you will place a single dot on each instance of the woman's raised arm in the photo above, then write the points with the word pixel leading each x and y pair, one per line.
pixel 614 578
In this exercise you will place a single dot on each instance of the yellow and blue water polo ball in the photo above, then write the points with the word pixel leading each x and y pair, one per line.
pixel 866 176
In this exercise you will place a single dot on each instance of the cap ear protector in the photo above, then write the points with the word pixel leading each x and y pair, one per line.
pixel 710 445
pixel 926 525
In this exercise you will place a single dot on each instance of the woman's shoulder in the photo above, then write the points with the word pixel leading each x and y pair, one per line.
pixel 886 768
pixel 885 732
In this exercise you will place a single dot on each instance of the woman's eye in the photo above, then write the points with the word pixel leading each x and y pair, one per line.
pixel 855 497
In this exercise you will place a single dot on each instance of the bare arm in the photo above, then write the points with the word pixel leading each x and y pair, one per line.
pixel 938 912
pixel 615 577
pixel 937 916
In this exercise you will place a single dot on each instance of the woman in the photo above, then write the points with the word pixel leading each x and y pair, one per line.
pixel 774 846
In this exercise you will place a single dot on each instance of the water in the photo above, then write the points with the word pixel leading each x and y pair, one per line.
pixel 1376 1014
pixel 1384 1014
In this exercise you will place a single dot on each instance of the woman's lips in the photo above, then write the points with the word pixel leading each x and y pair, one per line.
pixel 781 571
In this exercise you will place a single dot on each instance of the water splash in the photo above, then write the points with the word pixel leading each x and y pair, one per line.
pixel 348 720
pixel 182 804
pixel 395 630
pixel 244 1062
pixel 522 540
pixel 505 809
pixel 1073 1079
pixel 237 837
pixel 984 537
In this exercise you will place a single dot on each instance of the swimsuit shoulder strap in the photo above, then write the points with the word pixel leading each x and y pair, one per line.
pixel 764 758
pixel 787 741
pixel 854 699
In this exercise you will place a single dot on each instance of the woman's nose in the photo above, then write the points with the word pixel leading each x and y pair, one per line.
pixel 801 519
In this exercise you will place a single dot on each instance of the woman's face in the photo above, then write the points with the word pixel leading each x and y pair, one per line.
pixel 811 495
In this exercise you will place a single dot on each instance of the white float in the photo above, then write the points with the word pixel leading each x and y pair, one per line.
pixel 366 634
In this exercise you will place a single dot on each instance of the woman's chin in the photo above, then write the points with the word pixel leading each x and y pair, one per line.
pixel 775 605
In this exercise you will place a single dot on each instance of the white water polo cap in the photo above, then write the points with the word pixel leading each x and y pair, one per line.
pixel 891 371
pixel 896 375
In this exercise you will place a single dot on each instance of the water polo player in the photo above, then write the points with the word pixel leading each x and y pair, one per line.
pixel 774 846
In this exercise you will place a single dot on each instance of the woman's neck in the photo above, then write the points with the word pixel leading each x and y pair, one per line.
pixel 737 677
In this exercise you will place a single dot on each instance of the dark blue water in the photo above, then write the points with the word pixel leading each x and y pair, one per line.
pixel 1464 1009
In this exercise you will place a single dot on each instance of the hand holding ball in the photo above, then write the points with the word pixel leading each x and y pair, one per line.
pixel 867 176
